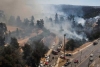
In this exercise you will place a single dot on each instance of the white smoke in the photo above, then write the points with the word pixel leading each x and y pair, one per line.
pixel 80 20
pixel 27 8
pixel 66 25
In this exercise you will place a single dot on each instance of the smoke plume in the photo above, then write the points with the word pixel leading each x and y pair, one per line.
pixel 66 26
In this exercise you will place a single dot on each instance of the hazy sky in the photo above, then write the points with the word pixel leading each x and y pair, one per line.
pixel 71 2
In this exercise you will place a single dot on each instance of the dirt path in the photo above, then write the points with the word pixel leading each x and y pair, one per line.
pixel 23 41
pixel 12 28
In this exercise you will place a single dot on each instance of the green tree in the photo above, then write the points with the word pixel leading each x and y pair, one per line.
pixel 40 23
pixel 2 41
pixel 26 21
pixel 27 50
pixel 39 50
pixel 74 43
pixel 14 43
pixel 11 20
pixel 56 18
pixel 10 57
pixel 32 21
pixel 34 52
pixel 18 20
pixel 70 45
pixel 3 30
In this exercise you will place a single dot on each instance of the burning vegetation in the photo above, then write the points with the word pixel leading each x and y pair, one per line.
pixel 78 29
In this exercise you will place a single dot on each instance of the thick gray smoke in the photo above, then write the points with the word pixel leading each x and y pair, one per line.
pixel 80 20
pixel 66 29
pixel 26 8
pixel 65 26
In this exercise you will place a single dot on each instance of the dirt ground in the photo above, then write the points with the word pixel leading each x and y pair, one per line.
pixel 12 28
pixel 22 41
pixel 61 62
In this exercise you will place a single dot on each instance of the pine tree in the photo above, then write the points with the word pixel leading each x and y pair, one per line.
pixel 14 43
pixel 32 21
pixel 56 18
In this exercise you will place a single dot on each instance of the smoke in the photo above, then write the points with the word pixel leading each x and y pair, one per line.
pixel 66 27
pixel 23 9
pixel 80 20
pixel 27 8
pixel 20 8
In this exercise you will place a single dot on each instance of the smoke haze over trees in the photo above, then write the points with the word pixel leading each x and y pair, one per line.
pixel 68 19
pixel 77 22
